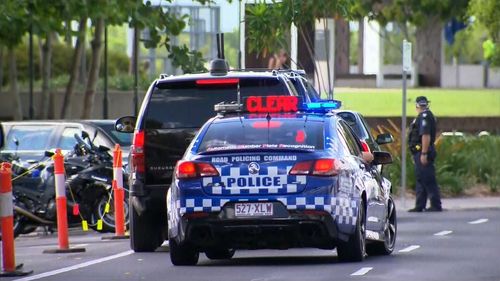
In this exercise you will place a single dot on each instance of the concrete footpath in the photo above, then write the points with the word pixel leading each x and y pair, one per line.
pixel 461 203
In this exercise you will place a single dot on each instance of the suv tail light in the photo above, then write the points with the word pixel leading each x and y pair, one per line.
pixel 137 153
pixel 319 167
pixel 190 169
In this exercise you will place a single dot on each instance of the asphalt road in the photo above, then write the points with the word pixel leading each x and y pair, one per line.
pixel 453 245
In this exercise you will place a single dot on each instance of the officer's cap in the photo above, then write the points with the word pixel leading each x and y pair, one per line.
pixel 422 101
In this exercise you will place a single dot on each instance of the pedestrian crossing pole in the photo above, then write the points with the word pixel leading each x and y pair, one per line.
pixel 406 69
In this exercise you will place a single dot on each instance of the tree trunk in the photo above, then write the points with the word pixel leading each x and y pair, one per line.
pixel 428 52
pixel 361 34
pixel 342 37
pixel 46 73
pixel 95 65
pixel 14 89
pixel 1 68
pixel 75 68
pixel 305 48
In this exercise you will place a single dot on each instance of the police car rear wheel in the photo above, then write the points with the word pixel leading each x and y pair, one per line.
pixel 354 250
pixel 387 246
pixel 182 254
pixel 144 233
pixel 220 254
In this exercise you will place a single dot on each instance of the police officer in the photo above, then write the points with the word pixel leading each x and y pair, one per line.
pixel 421 142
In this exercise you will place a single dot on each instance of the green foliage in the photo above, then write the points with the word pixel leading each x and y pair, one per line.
pixel 268 25
pixel 118 62
pixel 468 45
pixel 411 11
pixel 14 22
pixel 487 12
pixel 461 163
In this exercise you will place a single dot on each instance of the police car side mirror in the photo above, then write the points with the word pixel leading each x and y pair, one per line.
pixel 384 138
pixel 381 158
pixel 125 124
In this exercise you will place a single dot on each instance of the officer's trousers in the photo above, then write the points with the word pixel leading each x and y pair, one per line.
pixel 426 185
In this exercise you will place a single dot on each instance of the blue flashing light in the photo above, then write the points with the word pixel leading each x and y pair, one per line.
pixel 323 106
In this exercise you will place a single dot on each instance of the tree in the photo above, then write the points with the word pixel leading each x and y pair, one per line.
pixel 428 16
pixel 487 12
pixel 47 22
pixel 268 25
pixel 13 26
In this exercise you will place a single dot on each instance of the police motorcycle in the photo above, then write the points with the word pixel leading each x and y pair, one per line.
pixel 89 175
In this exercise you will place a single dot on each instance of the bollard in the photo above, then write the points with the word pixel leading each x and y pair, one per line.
pixel 61 208
pixel 9 267
pixel 119 196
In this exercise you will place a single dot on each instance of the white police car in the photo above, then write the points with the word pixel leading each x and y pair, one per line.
pixel 274 173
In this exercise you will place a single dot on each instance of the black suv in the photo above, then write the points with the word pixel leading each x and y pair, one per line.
pixel 173 110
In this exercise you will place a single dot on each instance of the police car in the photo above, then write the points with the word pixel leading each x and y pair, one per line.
pixel 274 173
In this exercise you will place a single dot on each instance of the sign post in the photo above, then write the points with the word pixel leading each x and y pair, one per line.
pixel 406 69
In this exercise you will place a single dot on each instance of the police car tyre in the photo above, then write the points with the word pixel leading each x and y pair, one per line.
pixel 220 254
pixel 383 248
pixel 144 233
pixel 182 254
pixel 354 250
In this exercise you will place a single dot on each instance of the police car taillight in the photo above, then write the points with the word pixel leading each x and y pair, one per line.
pixel 319 167
pixel 190 169
pixel 137 152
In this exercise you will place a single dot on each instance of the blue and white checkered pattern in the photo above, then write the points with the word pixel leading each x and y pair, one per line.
pixel 219 185
pixel 344 210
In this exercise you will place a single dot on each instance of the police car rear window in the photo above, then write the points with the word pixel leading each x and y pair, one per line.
pixel 188 104
pixel 261 134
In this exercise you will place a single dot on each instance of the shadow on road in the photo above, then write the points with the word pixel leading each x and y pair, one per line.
pixel 272 261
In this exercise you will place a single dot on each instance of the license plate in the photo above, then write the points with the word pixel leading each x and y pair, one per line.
pixel 253 209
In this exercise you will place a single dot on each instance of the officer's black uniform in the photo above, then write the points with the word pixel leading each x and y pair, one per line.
pixel 426 185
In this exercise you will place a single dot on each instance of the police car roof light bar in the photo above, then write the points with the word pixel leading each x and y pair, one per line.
pixel 323 106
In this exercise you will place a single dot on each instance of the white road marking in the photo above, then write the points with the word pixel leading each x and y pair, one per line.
pixel 362 271
pixel 409 248
pixel 56 246
pixel 74 267
pixel 443 233
pixel 479 221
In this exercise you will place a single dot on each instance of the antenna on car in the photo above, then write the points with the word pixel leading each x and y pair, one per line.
pixel 219 65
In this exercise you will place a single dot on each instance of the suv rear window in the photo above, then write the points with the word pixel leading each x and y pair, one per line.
pixel 186 104
pixel 263 134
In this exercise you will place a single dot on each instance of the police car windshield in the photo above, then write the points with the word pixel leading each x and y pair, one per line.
pixel 189 103
pixel 262 134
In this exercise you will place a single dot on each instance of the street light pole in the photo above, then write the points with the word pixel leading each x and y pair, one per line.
pixel 31 70
pixel 406 68
pixel 105 100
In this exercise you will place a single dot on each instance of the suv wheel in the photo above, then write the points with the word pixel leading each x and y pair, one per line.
pixel 182 254
pixel 387 246
pixel 220 254
pixel 354 249
pixel 144 234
